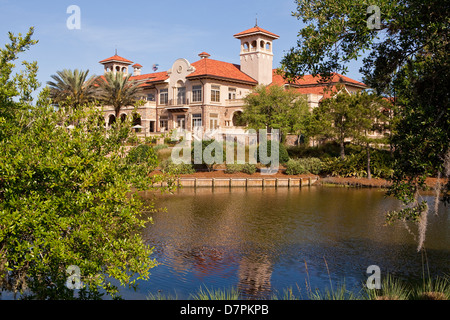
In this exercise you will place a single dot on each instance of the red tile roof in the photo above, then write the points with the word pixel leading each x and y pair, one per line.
pixel 253 30
pixel 151 77
pixel 136 65
pixel 310 84
pixel 220 69
pixel 116 58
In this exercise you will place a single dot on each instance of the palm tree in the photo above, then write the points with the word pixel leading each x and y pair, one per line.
pixel 72 85
pixel 117 90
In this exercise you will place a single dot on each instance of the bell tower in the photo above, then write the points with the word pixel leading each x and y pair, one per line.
pixel 256 53
pixel 116 64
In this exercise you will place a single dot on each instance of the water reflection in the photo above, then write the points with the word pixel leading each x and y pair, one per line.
pixel 265 240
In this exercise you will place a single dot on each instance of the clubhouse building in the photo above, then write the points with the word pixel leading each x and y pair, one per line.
pixel 208 94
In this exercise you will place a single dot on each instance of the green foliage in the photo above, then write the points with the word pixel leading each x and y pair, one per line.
pixel 277 108
pixel 73 86
pixel 409 62
pixel 245 168
pixel 208 153
pixel 150 140
pixel 133 139
pixel 160 147
pixel 412 213
pixel 143 154
pixel 167 166
pixel 283 153
pixel 216 294
pixel 421 131
pixel 65 195
pixel 294 167
pixel 336 34
pixel 304 165
pixel 355 165
pixel 117 90
pixel 322 151
pixel 395 289
pixel 345 116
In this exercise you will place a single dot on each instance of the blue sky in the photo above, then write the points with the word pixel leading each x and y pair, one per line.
pixel 146 32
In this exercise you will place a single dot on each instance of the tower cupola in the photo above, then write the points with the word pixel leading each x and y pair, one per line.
pixel 257 53
pixel 116 64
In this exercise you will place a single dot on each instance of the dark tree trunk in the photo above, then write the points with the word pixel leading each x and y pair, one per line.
pixel 342 150
pixel 369 175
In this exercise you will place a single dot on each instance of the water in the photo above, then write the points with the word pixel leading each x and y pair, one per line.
pixel 263 241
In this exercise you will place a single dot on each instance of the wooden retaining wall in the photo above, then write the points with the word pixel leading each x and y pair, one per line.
pixel 245 182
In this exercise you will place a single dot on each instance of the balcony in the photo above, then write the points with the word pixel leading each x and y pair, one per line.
pixel 234 102
pixel 178 102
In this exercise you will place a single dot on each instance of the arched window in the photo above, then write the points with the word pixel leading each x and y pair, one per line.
pixel 118 69
pixel 262 44
pixel 237 119
pixel 124 69
pixel 268 46
pixel 137 121
pixel 246 47
pixel 253 47
pixel 123 117
pixel 111 120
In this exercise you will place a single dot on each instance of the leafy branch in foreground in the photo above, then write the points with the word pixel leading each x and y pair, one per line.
pixel 406 58
pixel 66 194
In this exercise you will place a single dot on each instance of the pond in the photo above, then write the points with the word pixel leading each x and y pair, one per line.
pixel 262 241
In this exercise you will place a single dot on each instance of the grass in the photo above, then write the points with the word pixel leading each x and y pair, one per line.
pixel 391 289
pixel 216 294
pixel 163 154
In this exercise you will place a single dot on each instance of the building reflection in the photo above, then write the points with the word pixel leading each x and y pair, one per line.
pixel 254 276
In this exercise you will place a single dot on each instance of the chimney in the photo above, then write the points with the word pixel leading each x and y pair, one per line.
pixel 137 69
pixel 204 55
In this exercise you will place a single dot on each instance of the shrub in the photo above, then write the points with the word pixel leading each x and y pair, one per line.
pixel 168 166
pixel 133 139
pixel 160 147
pixel 142 154
pixel 208 143
pixel 150 140
pixel 283 154
pixel 249 168
pixel 324 150
pixel 355 165
pixel 304 165
pixel 294 167
pixel 245 168
pixel 233 168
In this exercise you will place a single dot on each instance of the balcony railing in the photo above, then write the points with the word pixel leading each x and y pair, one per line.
pixel 178 102
pixel 233 102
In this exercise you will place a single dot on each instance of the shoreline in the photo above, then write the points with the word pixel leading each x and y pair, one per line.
pixel 315 179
